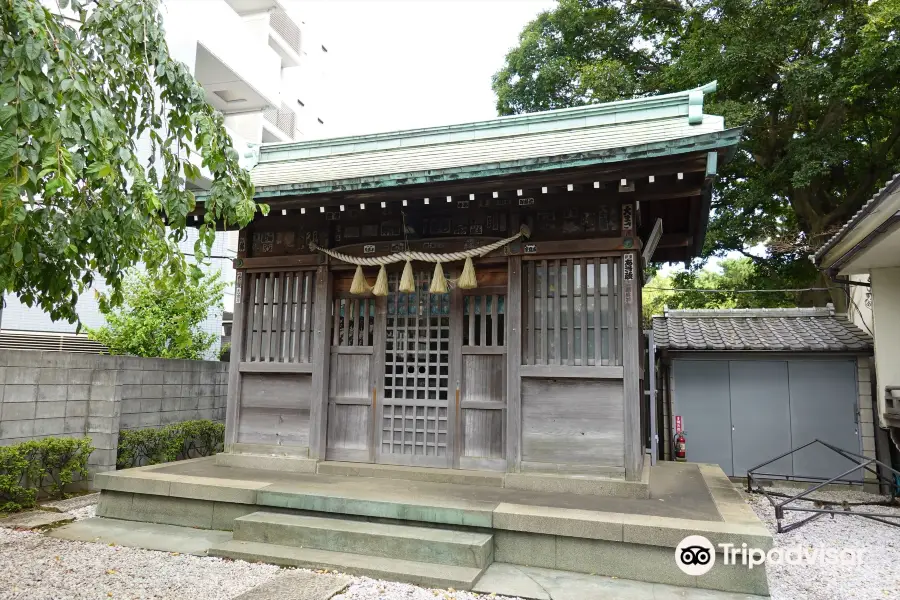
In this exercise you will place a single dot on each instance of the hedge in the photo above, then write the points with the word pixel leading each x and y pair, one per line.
pixel 189 439
pixel 40 468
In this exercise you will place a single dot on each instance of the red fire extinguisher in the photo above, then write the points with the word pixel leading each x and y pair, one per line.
pixel 680 447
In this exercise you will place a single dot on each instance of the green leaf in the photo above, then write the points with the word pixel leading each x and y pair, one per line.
pixel 31 111
pixel 26 83
pixel 17 253
pixel 8 146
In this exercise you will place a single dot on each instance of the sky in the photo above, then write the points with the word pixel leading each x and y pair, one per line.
pixel 404 64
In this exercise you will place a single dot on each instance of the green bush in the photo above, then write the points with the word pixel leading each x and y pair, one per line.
pixel 40 468
pixel 190 439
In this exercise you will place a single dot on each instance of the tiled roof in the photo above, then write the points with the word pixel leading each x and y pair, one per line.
pixel 779 329
pixel 564 138
pixel 856 218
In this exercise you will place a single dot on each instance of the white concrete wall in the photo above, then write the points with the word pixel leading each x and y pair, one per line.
pixel 225 34
pixel 886 317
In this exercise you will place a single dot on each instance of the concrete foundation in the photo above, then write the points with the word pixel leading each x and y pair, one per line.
pixel 445 534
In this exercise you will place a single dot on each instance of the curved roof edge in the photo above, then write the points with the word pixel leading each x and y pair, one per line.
pixel 692 98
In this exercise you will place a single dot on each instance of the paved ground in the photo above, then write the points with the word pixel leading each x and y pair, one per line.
pixel 675 491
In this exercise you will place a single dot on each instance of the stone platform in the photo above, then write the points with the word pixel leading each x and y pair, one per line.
pixel 445 533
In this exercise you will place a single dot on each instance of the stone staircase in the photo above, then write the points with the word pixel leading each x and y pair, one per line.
pixel 427 556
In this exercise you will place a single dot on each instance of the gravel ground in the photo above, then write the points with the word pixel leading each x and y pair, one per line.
pixel 36 567
pixel 878 576
pixel 364 588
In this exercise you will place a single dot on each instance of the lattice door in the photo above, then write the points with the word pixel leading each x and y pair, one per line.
pixel 416 388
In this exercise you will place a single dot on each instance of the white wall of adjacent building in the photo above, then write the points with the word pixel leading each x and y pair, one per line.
pixel 263 70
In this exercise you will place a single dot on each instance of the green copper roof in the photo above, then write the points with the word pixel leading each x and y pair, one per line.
pixel 565 138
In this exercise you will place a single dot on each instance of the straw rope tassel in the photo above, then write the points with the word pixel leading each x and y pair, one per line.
pixel 408 280
pixel 438 281
pixel 468 281
pixel 381 284
pixel 359 285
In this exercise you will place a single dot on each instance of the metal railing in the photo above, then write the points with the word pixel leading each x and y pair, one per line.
pixel 791 504
pixel 283 118
pixel 286 28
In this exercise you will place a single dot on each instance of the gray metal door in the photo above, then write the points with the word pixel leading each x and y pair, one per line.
pixel 701 395
pixel 760 415
pixel 823 406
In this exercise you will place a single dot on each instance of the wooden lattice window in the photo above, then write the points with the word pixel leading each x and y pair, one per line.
pixel 279 316
pixel 572 314
pixel 484 320
pixel 354 322
pixel 417 348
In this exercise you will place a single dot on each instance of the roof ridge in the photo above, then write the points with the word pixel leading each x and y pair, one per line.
pixel 539 116
pixel 805 311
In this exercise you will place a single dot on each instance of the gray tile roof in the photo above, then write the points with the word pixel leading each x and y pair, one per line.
pixel 778 329
pixel 868 207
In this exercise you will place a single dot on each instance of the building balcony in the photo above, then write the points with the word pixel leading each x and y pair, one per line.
pixel 279 124
pixel 272 20
pixel 237 68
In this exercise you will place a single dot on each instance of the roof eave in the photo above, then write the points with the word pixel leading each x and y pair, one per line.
pixel 861 230
pixel 704 142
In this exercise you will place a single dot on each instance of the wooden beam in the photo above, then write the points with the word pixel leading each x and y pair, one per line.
pixel 571 372
pixel 608 172
pixel 631 361
pixel 269 263
pixel 647 196
pixel 321 361
pixel 242 290
pixel 575 247
pixel 675 240
pixel 275 367
pixel 513 364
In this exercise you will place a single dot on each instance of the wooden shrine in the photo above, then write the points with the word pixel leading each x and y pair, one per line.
pixel 537 367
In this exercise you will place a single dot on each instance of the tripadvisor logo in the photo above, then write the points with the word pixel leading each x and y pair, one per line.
pixel 695 555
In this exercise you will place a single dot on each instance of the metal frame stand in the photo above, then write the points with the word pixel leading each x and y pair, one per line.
pixel 862 462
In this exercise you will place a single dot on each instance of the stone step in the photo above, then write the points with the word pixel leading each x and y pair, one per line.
pixel 407 571
pixel 426 544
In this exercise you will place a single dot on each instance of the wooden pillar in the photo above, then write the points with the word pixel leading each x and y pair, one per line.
pixel 454 424
pixel 321 359
pixel 513 361
pixel 631 361
pixel 238 337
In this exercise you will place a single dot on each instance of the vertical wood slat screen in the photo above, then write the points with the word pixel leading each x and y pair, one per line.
pixel 484 320
pixel 353 321
pixel 278 323
pixel 571 312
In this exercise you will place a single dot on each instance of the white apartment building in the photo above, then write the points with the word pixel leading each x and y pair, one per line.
pixel 262 70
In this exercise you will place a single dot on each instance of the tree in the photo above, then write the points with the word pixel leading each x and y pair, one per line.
pixel 733 278
pixel 815 84
pixel 161 317
pixel 76 201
